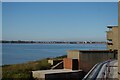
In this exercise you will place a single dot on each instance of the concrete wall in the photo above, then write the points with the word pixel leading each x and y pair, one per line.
pixel 58 74
pixel 109 34
pixel 65 76
pixel 38 76
pixel 119 40
pixel 87 59
pixel 74 54
pixel 115 38
pixel 113 35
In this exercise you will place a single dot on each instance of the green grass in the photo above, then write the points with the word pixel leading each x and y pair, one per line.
pixel 60 57
pixel 23 71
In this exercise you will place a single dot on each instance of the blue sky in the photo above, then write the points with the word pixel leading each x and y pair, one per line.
pixel 0 21
pixel 59 0
pixel 58 21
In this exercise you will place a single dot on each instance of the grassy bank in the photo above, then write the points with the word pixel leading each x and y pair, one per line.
pixel 23 71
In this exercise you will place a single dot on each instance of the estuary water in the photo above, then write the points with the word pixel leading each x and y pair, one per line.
pixel 13 53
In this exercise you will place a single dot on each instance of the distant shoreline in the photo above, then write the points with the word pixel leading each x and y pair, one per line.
pixel 54 42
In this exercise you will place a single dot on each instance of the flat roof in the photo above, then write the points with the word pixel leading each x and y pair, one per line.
pixel 110 26
pixel 56 71
pixel 92 50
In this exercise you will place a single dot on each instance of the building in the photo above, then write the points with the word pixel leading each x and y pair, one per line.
pixel 112 38
pixel 119 39
pixel 76 65
pixel 78 61
pixel 86 59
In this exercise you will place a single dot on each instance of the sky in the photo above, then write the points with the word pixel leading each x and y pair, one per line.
pixel 59 0
pixel 0 21
pixel 58 21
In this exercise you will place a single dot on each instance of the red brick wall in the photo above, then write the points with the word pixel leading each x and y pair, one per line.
pixel 67 63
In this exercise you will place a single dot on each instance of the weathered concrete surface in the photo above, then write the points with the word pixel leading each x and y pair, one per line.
pixel 0 73
pixel 119 40
pixel 58 74
pixel 110 70
pixel 113 69
pixel 88 58
pixel 113 35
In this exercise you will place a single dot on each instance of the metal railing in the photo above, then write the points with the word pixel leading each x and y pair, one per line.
pixel 99 72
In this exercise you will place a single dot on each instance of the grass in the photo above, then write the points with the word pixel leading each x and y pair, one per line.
pixel 23 71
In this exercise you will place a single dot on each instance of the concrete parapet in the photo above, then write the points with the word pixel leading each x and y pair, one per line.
pixel 58 74
pixel 88 58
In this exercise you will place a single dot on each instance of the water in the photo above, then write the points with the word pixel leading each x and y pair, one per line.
pixel 20 53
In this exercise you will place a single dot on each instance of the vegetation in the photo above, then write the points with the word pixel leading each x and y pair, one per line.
pixel 24 71
pixel 60 57
pixel 53 42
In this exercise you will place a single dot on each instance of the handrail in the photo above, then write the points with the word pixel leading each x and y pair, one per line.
pixel 95 71
pixel 86 76
pixel 57 65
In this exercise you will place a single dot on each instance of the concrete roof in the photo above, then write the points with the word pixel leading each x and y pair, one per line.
pixel 91 50
pixel 110 26
pixel 55 71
